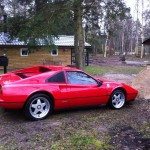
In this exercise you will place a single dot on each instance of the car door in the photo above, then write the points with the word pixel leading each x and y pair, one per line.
pixel 83 90
pixel 58 88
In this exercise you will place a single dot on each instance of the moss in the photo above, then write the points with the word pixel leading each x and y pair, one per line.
pixel 2 147
pixel 81 142
pixel 145 130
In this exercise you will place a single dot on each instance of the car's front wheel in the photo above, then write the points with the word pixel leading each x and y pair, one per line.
pixel 117 99
pixel 38 107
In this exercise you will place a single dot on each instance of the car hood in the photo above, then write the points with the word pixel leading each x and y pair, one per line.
pixel 107 81
pixel 114 84
pixel 110 83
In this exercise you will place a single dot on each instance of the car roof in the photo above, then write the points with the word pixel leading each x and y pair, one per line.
pixel 54 70
pixel 57 68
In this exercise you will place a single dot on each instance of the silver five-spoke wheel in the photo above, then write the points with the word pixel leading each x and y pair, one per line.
pixel 38 107
pixel 117 99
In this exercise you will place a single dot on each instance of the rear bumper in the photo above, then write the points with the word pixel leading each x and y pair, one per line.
pixel 11 105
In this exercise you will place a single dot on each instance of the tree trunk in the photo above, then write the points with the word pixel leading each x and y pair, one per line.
pixel 142 36
pixel 4 15
pixel 131 42
pixel 14 8
pixel 122 42
pixel 106 46
pixel 79 36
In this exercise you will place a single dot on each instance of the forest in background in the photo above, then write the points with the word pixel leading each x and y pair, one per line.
pixel 106 24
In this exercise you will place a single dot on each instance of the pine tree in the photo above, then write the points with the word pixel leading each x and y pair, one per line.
pixel 49 18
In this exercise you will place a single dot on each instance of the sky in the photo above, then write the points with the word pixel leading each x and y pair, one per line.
pixel 133 6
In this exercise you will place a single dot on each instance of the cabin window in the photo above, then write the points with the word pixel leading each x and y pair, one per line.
pixel 54 52
pixel 24 52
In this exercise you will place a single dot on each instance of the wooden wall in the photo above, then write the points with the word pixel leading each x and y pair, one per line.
pixel 40 56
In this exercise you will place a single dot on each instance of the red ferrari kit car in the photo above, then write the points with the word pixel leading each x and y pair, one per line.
pixel 42 89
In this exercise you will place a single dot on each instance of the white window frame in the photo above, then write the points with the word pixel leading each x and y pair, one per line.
pixel 54 54
pixel 24 49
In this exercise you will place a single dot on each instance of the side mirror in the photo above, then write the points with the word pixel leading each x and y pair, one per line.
pixel 99 83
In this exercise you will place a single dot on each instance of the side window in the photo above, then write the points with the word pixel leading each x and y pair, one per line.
pixel 75 77
pixel 58 78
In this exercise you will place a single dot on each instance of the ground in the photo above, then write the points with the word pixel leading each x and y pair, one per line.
pixel 96 128
pixel 142 82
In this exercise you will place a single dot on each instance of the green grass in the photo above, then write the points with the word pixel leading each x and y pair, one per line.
pixel 1 71
pixel 81 142
pixel 101 70
pixel 145 129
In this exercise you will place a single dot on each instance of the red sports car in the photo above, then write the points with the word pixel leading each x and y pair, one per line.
pixel 42 89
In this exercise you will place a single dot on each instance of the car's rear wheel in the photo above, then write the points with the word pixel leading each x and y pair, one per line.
pixel 38 107
pixel 117 99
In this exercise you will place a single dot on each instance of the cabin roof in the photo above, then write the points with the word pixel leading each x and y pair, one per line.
pixel 6 40
pixel 62 40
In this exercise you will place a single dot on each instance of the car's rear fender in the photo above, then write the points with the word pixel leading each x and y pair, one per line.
pixel 50 95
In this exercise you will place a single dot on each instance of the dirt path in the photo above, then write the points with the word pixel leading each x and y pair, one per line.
pixel 142 83
pixel 125 78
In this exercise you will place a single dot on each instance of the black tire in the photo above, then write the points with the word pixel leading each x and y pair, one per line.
pixel 117 99
pixel 38 107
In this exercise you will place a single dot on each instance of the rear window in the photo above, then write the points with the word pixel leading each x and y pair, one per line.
pixel 21 75
pixel 44 69
pixel 29 72
pixel 57 78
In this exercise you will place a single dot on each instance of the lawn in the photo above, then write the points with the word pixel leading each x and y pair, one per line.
pixel 1 71
pixel 101 70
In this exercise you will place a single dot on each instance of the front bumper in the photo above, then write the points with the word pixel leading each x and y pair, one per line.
pixel 132 96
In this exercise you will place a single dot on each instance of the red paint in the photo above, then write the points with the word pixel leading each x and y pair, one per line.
pixel 17 86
